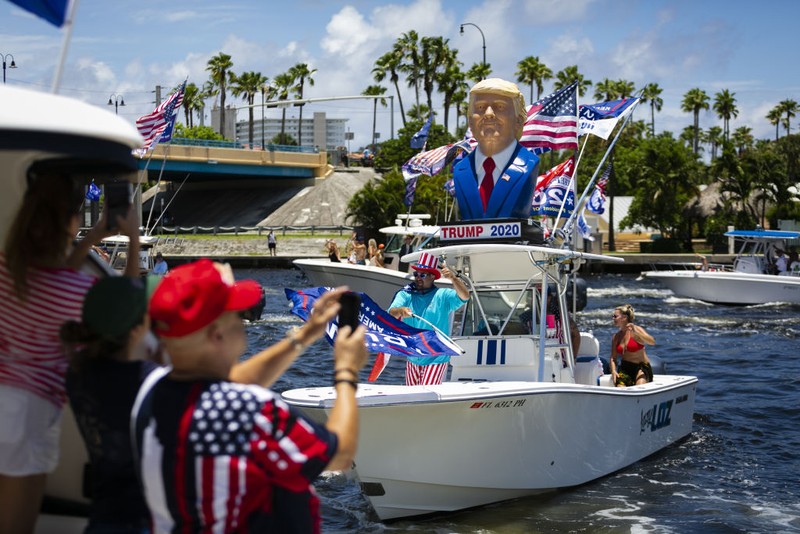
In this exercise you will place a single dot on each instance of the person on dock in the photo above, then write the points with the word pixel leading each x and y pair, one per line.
pixel 405 248
pixel 629 345
pixel 421 304
pixel 498 178
pixel 205 440
pixel 272 243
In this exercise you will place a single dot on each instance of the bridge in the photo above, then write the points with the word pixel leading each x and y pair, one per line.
pixel 226 183
pixel 226 161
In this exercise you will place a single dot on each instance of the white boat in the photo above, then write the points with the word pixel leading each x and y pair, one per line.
pixel 36 126
pixel 380 283
pixel 749 281
pixel 518 415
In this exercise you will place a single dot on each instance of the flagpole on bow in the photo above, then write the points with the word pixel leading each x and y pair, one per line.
pixel 568 226
pixel 572 182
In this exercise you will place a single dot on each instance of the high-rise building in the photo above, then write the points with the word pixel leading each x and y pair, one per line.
pixel 318 131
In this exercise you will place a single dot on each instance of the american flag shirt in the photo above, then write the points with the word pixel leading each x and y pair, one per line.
pixel 224 457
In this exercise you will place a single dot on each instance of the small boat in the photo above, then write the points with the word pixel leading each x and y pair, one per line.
pixel 520 414
pixel 751 280
pixel 380 283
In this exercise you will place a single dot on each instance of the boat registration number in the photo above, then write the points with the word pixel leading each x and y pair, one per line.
pixel 481 231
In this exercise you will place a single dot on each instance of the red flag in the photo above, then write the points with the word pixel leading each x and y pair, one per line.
pixel 381 361
pixel 542 182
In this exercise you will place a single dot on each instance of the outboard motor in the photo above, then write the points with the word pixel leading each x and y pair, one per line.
pixel 580 287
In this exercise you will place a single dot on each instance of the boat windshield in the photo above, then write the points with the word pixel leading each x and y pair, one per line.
pixel 516 309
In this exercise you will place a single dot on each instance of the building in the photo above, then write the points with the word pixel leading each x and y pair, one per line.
pixel 319 131
pixel 230 120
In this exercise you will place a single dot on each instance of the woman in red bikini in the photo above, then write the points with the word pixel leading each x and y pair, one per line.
pixel 629 344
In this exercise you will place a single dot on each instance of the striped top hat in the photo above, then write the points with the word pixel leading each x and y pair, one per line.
pixel 429 264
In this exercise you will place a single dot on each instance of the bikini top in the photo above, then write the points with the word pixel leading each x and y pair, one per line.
pixel 633 346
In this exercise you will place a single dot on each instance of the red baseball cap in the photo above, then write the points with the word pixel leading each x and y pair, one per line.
pixel 193 296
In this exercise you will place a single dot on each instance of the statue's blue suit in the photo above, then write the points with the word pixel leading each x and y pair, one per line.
pixel 512 194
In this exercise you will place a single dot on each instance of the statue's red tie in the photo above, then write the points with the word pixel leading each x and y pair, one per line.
pixel 488 181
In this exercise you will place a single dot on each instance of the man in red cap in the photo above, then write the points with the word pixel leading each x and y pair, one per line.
pixel 421 304
pixel 221 456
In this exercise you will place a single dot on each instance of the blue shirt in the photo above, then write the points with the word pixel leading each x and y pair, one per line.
pixel 435 306
pixel 160 268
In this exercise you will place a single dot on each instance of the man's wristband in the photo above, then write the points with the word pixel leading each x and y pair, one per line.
pixel 343 381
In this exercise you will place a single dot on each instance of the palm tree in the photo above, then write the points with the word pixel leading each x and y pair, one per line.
pixel 248 85
pixel 725 107
pixel 742 138
pixel 219 68
pixel 625 88
pixel 774 118
pixel 408 46
pixel 570 74
pixel 420 113
pixel 479 71
pixel 652 94
pixel 693 101
pixel 301 73
pixel 192 101
pixel 605 90
pixel 532 71
pixel 790 109
pixel 283 83
pixel 460 100
pixel 389 64
pixel 714 137
pixel 450 81
pixel 375 90
pixel 433 55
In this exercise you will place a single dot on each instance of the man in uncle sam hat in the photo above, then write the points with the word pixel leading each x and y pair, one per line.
pixel 421 304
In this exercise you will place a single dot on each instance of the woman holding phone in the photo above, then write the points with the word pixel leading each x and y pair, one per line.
pixel 41 287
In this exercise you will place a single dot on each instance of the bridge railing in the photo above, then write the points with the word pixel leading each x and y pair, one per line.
pixel 244 230
pixel 209 143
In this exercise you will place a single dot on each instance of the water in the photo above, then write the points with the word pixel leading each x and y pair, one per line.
pixel 738 470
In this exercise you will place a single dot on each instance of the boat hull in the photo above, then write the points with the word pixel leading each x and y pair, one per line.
pixel 378 282
pixel 733 288
pixel 443 448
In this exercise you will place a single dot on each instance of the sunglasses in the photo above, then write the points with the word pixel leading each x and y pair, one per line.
pixel 420 275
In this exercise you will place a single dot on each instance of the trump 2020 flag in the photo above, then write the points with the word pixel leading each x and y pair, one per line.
pixel 384 332
pixel 157 126
pixel 584 228
pixel 410 178
pixel 597 200
pixel 421 137
pixel 53 11
pixel 600 119
pixel 93 193
pixel 552 183
pixel 552 122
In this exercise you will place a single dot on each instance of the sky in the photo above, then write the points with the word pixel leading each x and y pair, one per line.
pixel 126 48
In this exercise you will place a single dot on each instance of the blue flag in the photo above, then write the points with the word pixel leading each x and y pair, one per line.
pixel 384 332
pixel 53 11
pixel 410 177
pixel 93 193
pixel 421 137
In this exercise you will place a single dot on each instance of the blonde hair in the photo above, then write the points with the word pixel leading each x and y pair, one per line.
pixel 627 311
pixel 498 86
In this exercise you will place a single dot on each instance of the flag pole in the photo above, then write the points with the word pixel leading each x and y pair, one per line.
pixel 73 7
pixel 571 221
pixel 572 182
pixel 170 200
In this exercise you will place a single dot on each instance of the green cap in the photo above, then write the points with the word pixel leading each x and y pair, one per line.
pixel 115 304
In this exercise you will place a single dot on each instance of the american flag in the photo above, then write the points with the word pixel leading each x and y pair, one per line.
pixel 552 122
pixel 157 126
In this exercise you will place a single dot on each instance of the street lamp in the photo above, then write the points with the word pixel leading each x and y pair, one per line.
pixel 264 91
pixel 482 37
pixel 116 100
pixel 13 65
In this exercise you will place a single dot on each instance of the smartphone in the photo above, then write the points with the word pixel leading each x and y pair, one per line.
pixel 117 200
pixel 348 313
